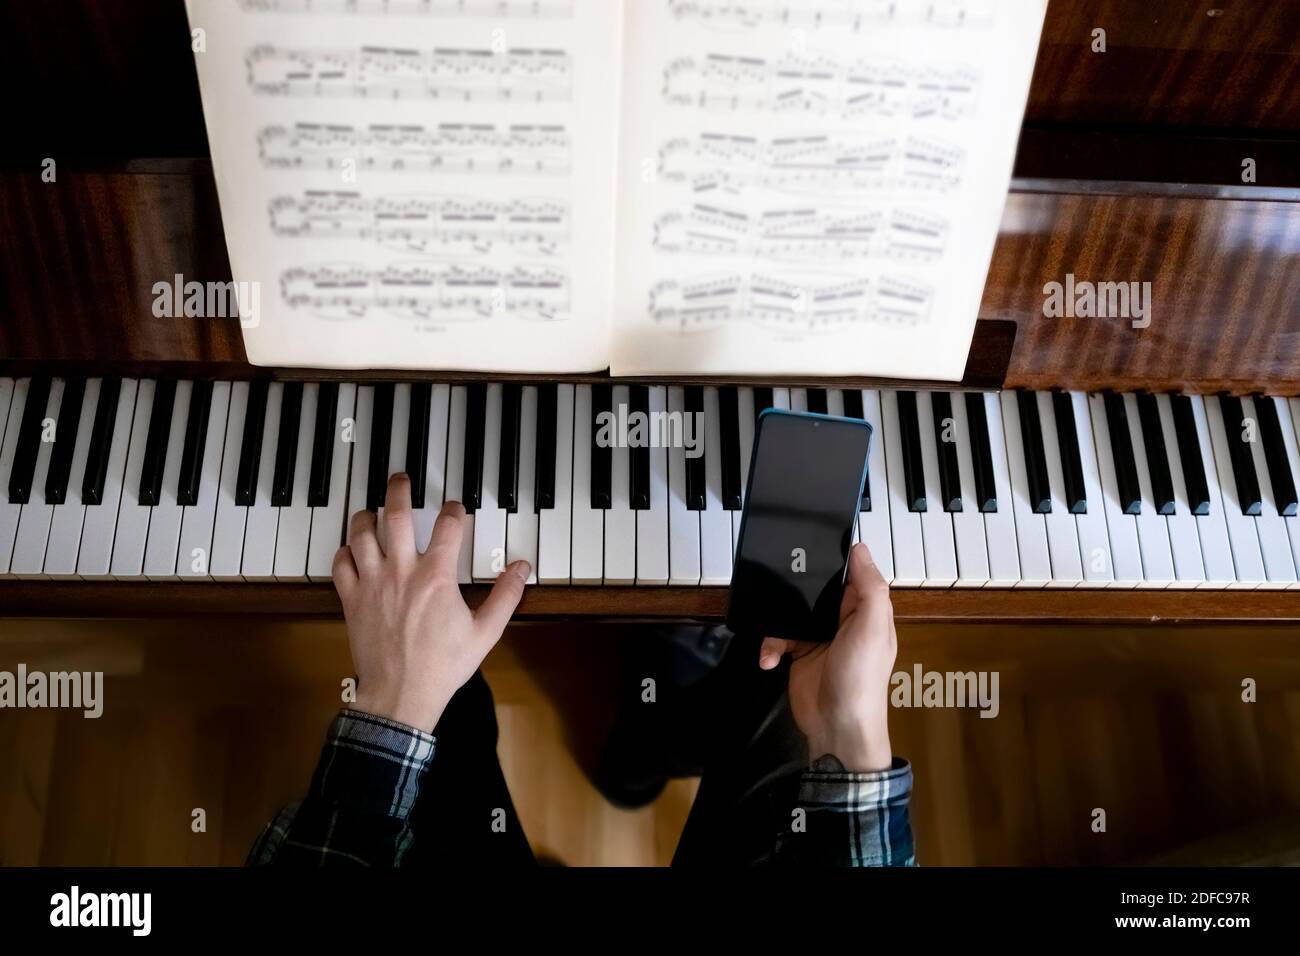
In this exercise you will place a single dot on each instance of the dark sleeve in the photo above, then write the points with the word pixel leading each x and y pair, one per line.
pixel 357 812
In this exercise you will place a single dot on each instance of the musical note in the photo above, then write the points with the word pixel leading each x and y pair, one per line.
pixel 430 225
pixel 855 15
pixel 449 147
pixel 535 9
pixel 442 293
pixel 444 74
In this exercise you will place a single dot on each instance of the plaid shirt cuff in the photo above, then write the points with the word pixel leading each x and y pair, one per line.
pixel 855 819
pixel 373 764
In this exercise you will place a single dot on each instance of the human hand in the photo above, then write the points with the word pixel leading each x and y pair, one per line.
pixel 414 640
pixel 839 692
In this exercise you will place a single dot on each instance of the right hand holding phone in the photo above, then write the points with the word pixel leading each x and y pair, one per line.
pixel 839 692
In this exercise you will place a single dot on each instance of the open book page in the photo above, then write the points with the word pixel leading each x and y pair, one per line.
pixel 417 183
pixel 814 186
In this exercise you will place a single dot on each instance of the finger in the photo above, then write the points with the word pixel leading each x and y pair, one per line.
pixel 345 573
pixel 494 613
pixel 443 552
pixel 772 650
pixel 364 542
pixel 399 530
pixel 864 581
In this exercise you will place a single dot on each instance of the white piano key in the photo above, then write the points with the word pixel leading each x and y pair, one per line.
pixel 555 524
pixel 1031 529
pixel 1000 525
pixel 329 521
pixel 1094 537
pixel 65 525
pixel 1125 552
pixel 228 528
pixel 1243 538
pixel 435 474
pixel 293 534
pixel 165 520
pixel 1153 530
pixel 95 557
pixel 522 524
pixel 360 475
pixel 909 549
pixel 263 517
pixel 588 554
pixel 132 517
pixel 683 524
pixel 936 523
pixel 1062 530
pixel 1274 542
pixel 715 520
pixel 620 519
pixel 835 402
pixel 873 525
pixel 798 400
pixel 194 558
pixel 490 517
pixel 1184 537
pixel 397 429
pixel 13 396
pixel 1286 413
pixel 781 398
pixel 652 525
pixel 968 524
pixel 1212 529
pixel 745 421
pixel 34 521
pixel 456 418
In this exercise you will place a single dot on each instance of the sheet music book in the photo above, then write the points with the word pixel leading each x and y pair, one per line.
pixel 655 186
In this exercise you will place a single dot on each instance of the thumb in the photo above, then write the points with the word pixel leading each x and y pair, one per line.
pixel 494 613
pixel 771 652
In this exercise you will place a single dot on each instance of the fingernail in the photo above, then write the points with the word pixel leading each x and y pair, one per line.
pixel 522 569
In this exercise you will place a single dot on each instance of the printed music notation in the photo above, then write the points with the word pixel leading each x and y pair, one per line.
pixel 538 9
pixel 450 147
pixel 456 75
pixel 833 164
pixel 809 233
pixel 805 304
pixel 443 293
pixel 821 87
pixel 853 15
pixel 431 225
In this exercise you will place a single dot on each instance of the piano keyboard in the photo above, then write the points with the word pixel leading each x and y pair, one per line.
pixel 254 481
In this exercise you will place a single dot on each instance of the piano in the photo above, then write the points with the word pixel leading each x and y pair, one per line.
pixel 1097 471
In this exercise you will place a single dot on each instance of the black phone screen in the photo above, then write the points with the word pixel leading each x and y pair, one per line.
pixel 805 482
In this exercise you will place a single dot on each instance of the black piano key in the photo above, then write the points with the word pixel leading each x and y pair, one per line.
pixel 29 441
pixel 155 444
pixel 250 446
pixel 909 436
pixel 547 400
pixel 65 439
pixel 1031 436
pixel 639 476
pixel 196 437
pixel 1270 433
pixel 1067 437
pixel 475 423
pixel 729 421
pixel 981 451
pixel 508 464
pixel 381 444
pixel 1189 454
pixel 1153 441
pixel 853 403
pixel 762 401
pixel 602 460
pixel 949 474
pixel 417 440
pixel 1243 463
pixel 101 442
pixel 817 400
pixel 286 445
pixel 322 445
pixel 1121 452
pixel 696 493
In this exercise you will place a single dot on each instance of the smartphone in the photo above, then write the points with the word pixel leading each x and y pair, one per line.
pixel 805 481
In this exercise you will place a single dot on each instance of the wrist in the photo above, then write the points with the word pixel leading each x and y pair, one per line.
pixel 415 710
pixel 861 749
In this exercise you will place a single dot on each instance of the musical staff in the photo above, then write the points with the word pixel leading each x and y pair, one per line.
pixel 523 9
pixel 856 16
pixel 430 225
pixel 820 86
pixel 449 147
pixel 443 293
pixel 443 74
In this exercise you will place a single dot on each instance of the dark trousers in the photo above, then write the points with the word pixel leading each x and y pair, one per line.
pixel 735 718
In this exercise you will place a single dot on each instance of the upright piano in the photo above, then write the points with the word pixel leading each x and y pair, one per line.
pixel 1104 470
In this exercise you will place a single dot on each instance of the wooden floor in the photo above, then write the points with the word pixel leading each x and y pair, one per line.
pixel 1145 723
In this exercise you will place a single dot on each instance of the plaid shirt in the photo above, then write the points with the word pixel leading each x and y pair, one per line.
pixel 358 810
